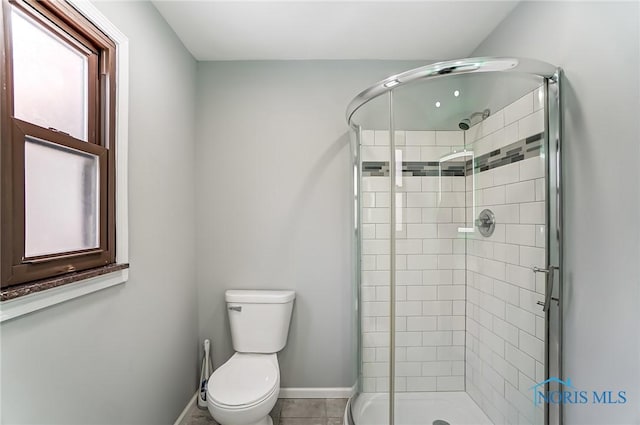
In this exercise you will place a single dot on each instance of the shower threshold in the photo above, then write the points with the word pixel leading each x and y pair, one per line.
pixel 419 408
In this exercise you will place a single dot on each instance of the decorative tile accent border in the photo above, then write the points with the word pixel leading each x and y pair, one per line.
pixel 375 168
pixel 414 169
pixel 517 151
pixel 424 169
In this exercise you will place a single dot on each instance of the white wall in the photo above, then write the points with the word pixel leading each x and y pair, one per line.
pixel 597 44
pixel 126 355
pixel 274 202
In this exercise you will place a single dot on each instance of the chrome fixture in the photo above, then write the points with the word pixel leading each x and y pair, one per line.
pixel 466 123
pixel 391 83
pixel 235 308
pixel 486 223
pixel 548 287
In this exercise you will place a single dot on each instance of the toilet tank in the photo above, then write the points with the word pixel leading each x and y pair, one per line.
pixel 259 320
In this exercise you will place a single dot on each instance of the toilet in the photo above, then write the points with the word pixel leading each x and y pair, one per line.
pixel 244 389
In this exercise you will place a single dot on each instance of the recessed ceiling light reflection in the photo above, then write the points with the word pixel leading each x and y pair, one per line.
pixel 438 104
pixel 456 93
pixel 391 83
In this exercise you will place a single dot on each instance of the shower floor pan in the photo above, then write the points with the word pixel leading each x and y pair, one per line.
pixel 423 408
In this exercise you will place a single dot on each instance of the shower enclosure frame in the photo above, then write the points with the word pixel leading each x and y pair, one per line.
pixel 552 78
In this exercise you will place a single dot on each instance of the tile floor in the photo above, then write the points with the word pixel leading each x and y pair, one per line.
pixel 291 411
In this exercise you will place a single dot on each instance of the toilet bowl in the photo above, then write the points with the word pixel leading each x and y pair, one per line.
pixel 245 389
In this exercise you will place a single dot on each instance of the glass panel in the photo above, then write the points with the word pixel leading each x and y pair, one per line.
pixel 442 103
pixel 50 79
pixel 356 245
pixel 466 312
pixel 430 267
pixel 371 403
pixel 61 199
pixel 506 332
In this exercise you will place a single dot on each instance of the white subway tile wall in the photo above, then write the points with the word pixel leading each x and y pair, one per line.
pixel 429 251
pixel 505 326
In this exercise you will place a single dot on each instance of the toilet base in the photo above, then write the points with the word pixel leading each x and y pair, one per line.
pixel 250 412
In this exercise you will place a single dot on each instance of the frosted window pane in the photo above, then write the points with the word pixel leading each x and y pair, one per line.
pixel 61 199
pixel 49 79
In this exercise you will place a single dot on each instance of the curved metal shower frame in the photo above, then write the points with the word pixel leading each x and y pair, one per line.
pixel 552 75
pixel 452 67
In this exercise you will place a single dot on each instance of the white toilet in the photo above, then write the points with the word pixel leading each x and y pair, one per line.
pixel 244 389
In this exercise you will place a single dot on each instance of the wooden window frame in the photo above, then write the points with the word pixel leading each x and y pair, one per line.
pixel 66 23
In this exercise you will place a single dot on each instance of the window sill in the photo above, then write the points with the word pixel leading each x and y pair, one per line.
pixel 23 299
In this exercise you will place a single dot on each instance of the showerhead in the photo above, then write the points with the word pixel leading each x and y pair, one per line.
pixel 465 123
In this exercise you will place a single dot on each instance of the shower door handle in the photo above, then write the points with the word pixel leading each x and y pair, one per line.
pixel 548 287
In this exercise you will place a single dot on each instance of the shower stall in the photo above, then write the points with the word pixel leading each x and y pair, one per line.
pixel 458 245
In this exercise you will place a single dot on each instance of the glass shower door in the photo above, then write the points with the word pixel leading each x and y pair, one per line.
pixel 471 250
pixel 430 247
pixel 371 404
pixel 457 195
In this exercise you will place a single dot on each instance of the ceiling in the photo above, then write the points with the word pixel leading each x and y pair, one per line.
pixel 298 30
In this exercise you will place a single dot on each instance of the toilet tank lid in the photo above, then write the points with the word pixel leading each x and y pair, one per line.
pixel 259 297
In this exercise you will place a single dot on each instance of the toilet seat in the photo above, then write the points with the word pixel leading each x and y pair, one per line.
pixel 245 380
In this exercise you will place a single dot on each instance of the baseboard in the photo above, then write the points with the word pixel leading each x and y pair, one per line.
pixel 182 419
pixel 344 392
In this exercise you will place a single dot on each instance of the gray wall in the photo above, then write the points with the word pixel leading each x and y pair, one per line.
pixel 274 202
pixel 126 355
pixel 597 44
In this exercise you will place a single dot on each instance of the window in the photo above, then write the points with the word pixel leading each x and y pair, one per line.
pixel 58 154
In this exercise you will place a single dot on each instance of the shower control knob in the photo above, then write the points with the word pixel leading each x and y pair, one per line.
pixel 486 223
